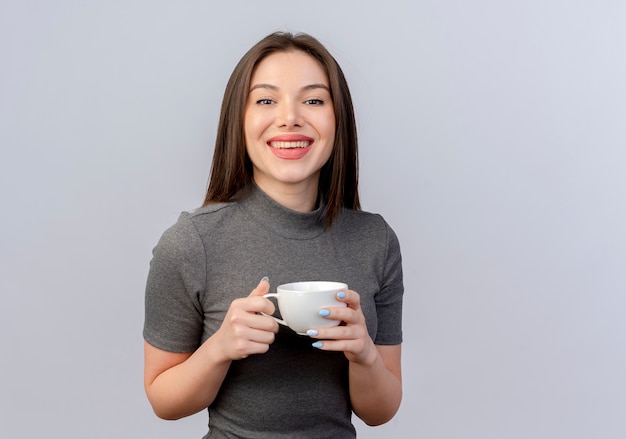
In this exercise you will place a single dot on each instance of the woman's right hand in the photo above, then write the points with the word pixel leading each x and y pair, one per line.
pixel 244 331
pixel 172 379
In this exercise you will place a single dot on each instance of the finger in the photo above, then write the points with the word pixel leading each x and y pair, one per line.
pixel 245 312
pixel 354 343
pixel 350 298
pixel 341 313
pixel 252 304
pixel 354 350
pixel 332 345
pixel 261 304
pixel 334 333
pixel 262 336
pixel 262 288
pixel 264 323
pixel 254 334
pixel 243 348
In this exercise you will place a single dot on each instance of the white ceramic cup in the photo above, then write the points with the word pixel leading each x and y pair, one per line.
pixel 300 304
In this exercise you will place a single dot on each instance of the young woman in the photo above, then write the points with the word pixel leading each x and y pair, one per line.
pixel 282 204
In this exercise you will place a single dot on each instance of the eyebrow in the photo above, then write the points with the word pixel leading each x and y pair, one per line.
pixel 275 88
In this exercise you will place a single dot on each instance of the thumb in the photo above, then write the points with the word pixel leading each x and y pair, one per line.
pixel 262 288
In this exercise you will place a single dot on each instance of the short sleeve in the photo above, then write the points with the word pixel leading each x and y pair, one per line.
pixel 389 299
pixel 176 281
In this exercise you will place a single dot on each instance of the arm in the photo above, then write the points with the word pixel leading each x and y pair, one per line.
pixel 172 380
pixel 374 371
pixel 181 384
pixel 376 386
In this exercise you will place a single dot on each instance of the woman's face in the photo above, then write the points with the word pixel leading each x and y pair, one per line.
pixel 289 122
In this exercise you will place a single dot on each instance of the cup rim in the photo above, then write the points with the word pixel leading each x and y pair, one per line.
pixel 305 286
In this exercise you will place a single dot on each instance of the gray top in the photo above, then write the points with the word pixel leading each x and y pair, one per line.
pixel 219 253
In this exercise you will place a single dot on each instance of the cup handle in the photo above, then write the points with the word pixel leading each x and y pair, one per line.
pixel 282 322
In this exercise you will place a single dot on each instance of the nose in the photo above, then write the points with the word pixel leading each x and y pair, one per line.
pixel 289 115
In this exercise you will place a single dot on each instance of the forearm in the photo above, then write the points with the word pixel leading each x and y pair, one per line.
pixel 190 386
pixel 375 390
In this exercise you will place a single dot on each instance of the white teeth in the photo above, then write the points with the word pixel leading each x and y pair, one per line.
pixel 283 145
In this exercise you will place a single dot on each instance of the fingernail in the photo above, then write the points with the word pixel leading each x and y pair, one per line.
pixel 341 295
pixel 324 312
pixel 312 332
pixel 265 278
pixel 317 344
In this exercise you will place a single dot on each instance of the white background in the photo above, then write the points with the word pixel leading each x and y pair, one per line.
pixel 493 137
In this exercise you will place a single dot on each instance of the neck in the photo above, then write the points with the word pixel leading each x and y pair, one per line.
pixel 299 197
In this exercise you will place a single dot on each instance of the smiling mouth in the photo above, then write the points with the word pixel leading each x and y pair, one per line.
pixel 290 145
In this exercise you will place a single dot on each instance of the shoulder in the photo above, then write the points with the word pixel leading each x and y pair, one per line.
pixel 364 222
pixel 183 237
pixel 369 228
pixel 186 227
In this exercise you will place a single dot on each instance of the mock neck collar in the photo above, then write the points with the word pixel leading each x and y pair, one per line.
pixel 259 207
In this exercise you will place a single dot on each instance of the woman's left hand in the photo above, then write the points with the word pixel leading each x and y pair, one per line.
pixel 351 336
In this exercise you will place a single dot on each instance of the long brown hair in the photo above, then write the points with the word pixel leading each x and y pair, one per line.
pixel 232 169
